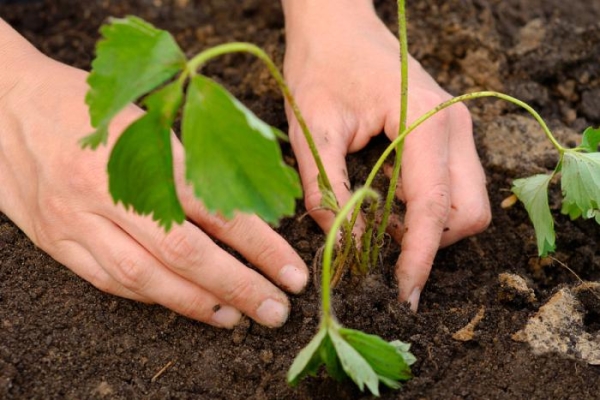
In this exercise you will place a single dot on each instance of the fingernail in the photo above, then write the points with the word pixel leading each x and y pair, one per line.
pixel 272 313
pixel 413 299
pixel 292 278
pixel 226 316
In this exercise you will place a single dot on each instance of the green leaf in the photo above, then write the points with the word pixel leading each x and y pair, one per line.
pixel 140 168
pixel 580 184
pixel 233 159
pixel 533 192
pixel 591 139
pixel 386 359
pixel 357 368
pixel 133 59
pixel 328 199
pixel 330 358
pixel 404 349
pixel 308 361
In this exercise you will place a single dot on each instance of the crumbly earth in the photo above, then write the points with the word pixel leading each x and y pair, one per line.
pixel 61 338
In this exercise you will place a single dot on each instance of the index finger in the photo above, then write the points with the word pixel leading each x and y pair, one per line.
pixel 426 186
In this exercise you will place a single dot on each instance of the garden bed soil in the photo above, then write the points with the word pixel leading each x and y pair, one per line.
pixel 62 338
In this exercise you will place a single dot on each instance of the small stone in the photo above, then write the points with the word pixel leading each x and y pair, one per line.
pixel 558 327
pixel 103 389
pixel 514 289
pixel 266 356
pixel 467 333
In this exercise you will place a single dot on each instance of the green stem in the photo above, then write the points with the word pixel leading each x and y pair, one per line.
pixel 440 107
pixel 391 194
pixel 330 241
pixel 236 47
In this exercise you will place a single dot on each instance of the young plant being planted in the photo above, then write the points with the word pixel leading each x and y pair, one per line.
pixel 367 359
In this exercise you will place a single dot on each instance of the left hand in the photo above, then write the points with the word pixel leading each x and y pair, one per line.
pixel 342 66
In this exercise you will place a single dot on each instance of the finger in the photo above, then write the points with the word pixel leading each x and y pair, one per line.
pixel 470 211
pixel 332 143
pixel 254 239
pixel 395 228
pixel 79 260
pixel 140 272
pixel 425 179
pixel 192 256
pixel 258 243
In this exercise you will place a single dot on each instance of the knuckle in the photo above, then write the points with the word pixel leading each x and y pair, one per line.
pixel 176 248
pixel 432 98
pixel 265 252
pixel 222 227
pixel 194 307
pixel 52 214
pixel 438 204
pixel 478 217
pixel 91 179
pixel 101 281
pixel 312 200
pixel 130 274
pixel 461 113
pixel 239 291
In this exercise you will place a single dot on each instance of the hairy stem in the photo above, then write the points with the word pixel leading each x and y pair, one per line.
pixel 330 241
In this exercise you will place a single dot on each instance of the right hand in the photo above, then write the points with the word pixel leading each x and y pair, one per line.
pixel 57 194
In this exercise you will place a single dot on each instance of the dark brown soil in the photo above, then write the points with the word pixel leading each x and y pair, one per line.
pixel 61 338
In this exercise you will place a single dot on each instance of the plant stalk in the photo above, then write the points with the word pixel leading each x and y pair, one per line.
pixel 391 194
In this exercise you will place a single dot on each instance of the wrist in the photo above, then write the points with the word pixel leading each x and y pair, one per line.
pixel 315 15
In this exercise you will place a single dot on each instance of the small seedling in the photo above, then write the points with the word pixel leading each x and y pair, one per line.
pixel 367 359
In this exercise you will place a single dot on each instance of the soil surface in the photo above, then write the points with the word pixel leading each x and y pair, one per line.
pixel 61 338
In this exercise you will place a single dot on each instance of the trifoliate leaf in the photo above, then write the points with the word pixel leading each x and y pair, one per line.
pixel 132 59
pixel 591 139
pixel 140 168
pixel 354 364
pixel 308 361
pixel 533 192
pixel 385 358
pixel 233 159
pixel 580 184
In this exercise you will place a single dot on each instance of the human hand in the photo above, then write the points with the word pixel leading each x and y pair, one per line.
pixel 342 66
pixel 57 194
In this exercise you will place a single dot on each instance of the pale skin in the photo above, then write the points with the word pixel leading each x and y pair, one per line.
pixel 57 193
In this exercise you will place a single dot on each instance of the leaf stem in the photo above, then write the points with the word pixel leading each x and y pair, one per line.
pixel 242 47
